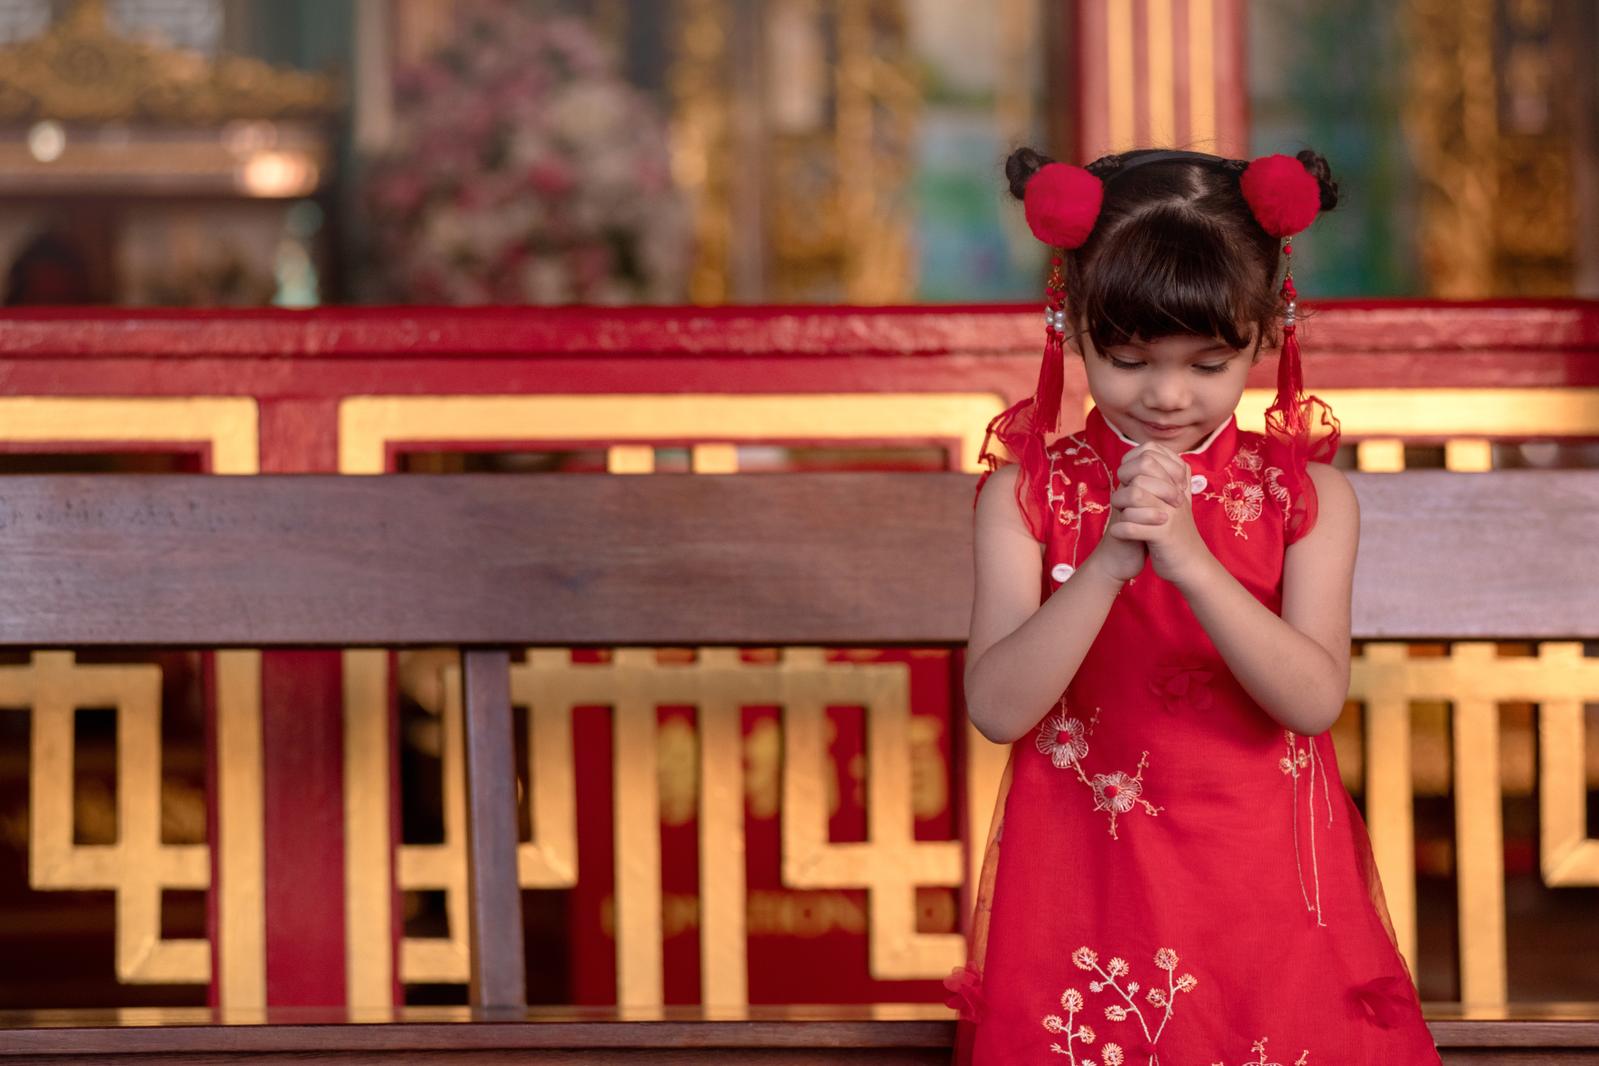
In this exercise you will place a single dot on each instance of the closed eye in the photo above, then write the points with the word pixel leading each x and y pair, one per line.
pixel 1208 368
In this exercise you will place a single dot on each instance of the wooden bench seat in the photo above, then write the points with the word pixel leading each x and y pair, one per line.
pixel 890 1033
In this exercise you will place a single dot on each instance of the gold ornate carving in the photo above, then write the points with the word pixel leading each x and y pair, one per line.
pixel 1491 149
pixel 834 201
pixel 138 866
pixel 891 865
pixel 1475 680
pixel 701 141
pixel 81 71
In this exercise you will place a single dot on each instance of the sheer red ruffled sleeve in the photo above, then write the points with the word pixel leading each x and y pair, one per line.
pixel 1297 434
pixel 1013 437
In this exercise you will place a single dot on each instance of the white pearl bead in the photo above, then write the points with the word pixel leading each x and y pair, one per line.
pixel 1197 483
pixel 1062 571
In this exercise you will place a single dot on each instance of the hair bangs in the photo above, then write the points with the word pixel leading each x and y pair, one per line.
pixel 1173 274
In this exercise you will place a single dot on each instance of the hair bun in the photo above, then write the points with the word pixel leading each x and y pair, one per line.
pixel 1020 167
pixel 1322 172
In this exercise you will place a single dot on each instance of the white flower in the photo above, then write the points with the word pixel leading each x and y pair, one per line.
pixel 1166 959
pixel 1072 1000
pixel 1242 501
pixel 1054 1024
pixel 1113 1055
pixel 1117 967
pixel 1116 1013
pixel 1116 792
pixel 1062 739
pixel 1085 958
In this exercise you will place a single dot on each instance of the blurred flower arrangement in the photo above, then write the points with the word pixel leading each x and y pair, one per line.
pixel 525 170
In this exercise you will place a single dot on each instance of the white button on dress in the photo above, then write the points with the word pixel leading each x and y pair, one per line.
pixel 1197 483
pixel 1062 571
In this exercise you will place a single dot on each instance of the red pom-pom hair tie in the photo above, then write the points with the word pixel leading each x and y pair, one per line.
pixel 1285 198
pixel 1061 204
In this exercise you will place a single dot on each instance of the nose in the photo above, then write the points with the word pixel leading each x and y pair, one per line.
pixel 1166 391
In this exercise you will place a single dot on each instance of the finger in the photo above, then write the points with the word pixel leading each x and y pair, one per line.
pixel 1147 516
pixel 1159 487
pixel 1170 462
pixel 1131 531
pixel 1152 464
pixel 1143 496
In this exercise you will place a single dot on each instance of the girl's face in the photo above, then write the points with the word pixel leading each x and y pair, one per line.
pixel 1175 390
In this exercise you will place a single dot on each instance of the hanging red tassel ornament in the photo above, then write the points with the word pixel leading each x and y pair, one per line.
pixel 1290 375
pixel 1052 373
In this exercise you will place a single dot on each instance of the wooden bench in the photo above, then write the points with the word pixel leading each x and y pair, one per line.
pixel 500 562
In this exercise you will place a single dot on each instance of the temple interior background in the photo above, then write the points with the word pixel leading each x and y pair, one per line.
pixel 305 155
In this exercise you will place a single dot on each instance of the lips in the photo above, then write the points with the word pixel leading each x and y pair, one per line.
pixel 1158 428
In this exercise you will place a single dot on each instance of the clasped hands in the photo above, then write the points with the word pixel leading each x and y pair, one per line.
pixel 1151 512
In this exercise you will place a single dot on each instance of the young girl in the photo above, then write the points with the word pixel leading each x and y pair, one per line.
pixel 1175 873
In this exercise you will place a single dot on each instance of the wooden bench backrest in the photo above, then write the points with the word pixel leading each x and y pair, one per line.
pixel 503 560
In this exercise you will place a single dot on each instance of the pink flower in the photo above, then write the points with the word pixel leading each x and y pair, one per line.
pixel 965 986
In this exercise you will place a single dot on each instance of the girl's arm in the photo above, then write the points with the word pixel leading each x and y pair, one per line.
pixel 1021 656
pixel 1295 666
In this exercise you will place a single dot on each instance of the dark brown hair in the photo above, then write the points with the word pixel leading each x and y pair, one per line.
pixel 1175 250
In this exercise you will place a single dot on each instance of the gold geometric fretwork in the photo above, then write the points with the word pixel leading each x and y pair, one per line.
pixel 890 865
pixel 138 867
pixel 1475 680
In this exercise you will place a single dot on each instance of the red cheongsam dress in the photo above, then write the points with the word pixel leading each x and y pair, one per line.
pixel 1172 877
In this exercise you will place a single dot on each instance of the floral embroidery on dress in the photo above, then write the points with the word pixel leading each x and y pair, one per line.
pixel 1259 1048
pixel 1278 490
pixel 1243 498
pixel 1110 980
pixel 1183 686
pixel 1306 760
pixel 1065 740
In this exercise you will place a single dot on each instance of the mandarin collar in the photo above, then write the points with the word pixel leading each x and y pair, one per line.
pixel 1212 453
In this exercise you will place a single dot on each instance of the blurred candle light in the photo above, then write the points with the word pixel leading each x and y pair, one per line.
pixel 47 140
pixel 278 174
